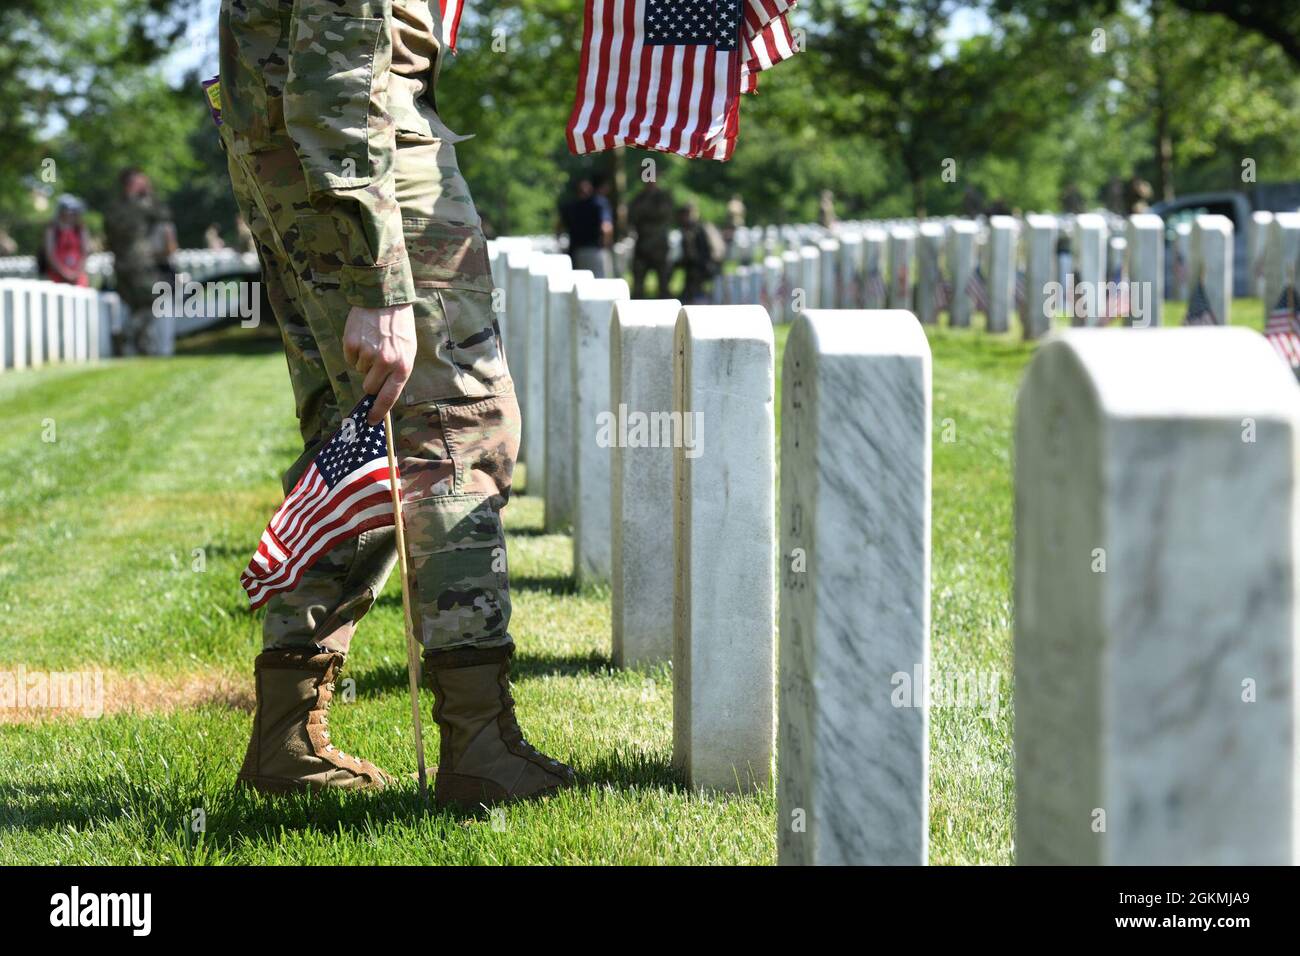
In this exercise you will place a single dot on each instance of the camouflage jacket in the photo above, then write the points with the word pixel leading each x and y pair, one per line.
pixel 338 80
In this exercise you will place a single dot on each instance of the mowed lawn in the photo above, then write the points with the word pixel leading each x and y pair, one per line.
pixel 121 543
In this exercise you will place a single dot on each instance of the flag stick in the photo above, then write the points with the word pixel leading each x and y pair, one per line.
pixel 412 654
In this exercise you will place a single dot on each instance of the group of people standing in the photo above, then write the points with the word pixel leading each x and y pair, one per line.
pixel 138 232
pixel 589 221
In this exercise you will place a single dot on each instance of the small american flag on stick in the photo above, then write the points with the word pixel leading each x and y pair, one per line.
pixel 1198 308
pixel 976 290
pixel 1280 329
pixel 344 491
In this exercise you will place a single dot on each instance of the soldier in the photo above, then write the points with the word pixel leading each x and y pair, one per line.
pixel 702 253
pixel 377 270
pixel 651 217
pixel 142 239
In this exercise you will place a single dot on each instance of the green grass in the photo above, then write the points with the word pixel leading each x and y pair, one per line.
pixel 155 459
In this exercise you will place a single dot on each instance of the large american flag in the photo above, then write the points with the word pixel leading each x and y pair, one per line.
pixel 344 491
pixel 668 74
pixel 451 11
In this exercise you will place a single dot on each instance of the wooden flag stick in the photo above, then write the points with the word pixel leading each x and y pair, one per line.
pixel 412 652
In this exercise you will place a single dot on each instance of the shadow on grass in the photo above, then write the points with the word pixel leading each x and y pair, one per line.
pixel 234 815
pixel 522 666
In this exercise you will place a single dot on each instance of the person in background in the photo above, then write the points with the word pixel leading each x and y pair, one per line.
pixel 589 221
pixel 66 244
pixel 651 217
pixel 702 253
pixel 826 210
pixel 212 238
pixel 735 212
pixel 142 239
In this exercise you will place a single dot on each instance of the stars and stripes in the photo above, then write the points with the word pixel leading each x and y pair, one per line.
pixel 1281 327
pixel 451 11
pixel 1198 308
pixel 942 295
pixel 876 290
pixel 977 291
pixel 344 491
pixel 668 75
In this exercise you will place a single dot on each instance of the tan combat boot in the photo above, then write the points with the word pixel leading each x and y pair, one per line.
pixel 290 748
pixel 484 758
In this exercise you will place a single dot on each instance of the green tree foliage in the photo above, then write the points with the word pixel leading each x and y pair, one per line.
pixel 888 107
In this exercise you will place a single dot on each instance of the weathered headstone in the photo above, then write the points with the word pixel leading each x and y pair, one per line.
pixel 594 300
pixel 1180 276
pixel 14 295
pixel 961 265
pixel 1211 263
pixel 929 270
pixel 850 271
pixel 1146 269
pixel 1256 240
pixel 875 269
pixel 1002 272
pixel 641 497
pixel 828 284
pixel 514 334
pixel 791 277
pixel 724 549
pixel 1089 247
pixel 535 426
pixel 902 251
pixel 560 439
pixel 1155 595
pixel 1040 270
pixel 852 747
pixel 1281 257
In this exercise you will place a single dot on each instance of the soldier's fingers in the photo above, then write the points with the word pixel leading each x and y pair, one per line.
pixel 386 398
pixel 351 348
pixel 375 379
pixel 365 360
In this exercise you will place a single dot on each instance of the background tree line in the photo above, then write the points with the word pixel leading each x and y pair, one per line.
pixel 882 102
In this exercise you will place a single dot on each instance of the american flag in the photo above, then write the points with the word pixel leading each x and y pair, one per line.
pixel 451 11
pixel 876 291
pixel 975 289
pixel 1198 308
pixel 942 295
pixel 344 491
pixel 668 74
pixel 1281 328
pixel 766 45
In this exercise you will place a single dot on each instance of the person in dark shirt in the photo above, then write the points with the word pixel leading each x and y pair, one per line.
pixel 589 221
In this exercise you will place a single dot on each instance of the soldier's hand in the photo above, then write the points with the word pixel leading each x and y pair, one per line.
pixel 381 343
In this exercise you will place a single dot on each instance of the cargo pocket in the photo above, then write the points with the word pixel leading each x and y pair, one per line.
pixel 458 570
pixel 330 95
pixel 458 352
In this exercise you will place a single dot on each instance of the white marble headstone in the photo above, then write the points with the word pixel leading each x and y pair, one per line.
pixel 1155 595
pixel 724 549
pixel 854 566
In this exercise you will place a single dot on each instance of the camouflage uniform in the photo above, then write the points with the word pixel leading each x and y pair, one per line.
pixel 651 217
pixel 131 224
pixel 348 181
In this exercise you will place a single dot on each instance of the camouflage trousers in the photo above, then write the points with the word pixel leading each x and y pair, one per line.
pixel 456 426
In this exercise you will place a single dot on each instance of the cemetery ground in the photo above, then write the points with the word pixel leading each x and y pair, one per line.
pixel 121 543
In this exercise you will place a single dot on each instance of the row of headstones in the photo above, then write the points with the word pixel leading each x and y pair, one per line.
pixel 1008 266
pixel 196 264
pixel 1155 567
pixel 44 322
